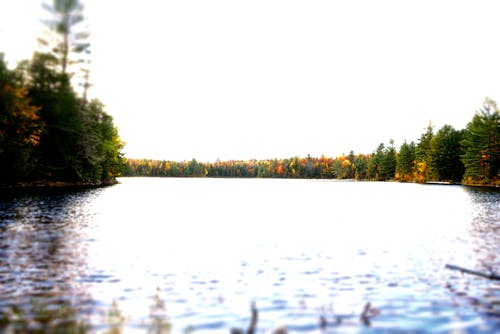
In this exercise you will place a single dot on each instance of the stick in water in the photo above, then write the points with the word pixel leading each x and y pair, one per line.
pixel 473 272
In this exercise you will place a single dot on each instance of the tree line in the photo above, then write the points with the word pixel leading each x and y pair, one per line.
pixel 48 132
pixel 469 156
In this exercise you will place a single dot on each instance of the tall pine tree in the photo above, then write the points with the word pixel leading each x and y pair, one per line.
pixel 481 145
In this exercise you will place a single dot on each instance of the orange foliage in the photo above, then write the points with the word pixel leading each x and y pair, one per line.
pixel 21 117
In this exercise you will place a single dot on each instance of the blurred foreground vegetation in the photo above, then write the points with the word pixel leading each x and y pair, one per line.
pixel 65 318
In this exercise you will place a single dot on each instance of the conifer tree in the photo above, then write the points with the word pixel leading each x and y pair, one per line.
pixel 446 151
pixel 481 145
pixel 406 161
pixel 64 38
pixel 424 164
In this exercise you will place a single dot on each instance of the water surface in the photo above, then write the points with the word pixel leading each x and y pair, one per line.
pixel 193 254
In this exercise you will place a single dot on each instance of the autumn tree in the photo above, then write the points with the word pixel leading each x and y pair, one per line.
pixel 20 128
pixel 48 132
pixel 360 167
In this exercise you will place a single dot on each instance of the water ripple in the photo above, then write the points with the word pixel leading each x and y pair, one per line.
pixel 94 258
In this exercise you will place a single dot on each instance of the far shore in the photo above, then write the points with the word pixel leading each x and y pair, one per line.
pixel 56 184
pixel 67 184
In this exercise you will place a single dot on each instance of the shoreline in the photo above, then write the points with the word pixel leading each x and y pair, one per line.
pixel 110 182
pixel 57 184
pixel 444 183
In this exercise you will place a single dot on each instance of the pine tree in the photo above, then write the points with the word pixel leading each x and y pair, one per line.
pixel 406 161
pixel 424 162
pixel 64 37
pixel 446 151
pixel 481 145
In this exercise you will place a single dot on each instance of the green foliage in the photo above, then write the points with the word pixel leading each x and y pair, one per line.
pixel 47 132
pixel 424 158
pixel 360 167
pixel 382 163
pixel 446 151
pixel 406 162
pixel 341 167
pixel 481 146
pixel 373 167
pixel 443 156
pixel 59 109
pixel 388 162
pixel 99 146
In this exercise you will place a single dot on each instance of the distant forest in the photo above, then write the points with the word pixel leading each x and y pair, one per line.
pixel 468 156
pixel 48 132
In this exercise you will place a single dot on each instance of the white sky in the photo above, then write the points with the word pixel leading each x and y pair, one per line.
pixel 275 79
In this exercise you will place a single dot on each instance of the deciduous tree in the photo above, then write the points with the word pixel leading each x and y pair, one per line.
pixel 20 128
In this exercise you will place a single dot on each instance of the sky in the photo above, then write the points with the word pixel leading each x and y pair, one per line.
pixel 276 79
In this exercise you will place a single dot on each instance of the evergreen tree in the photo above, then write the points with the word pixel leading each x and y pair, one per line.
pixel 424 164
pixel 99 145
pixel 446 151
pixel 481 145
pixel 406 161
pixel 372 167
pixel 382 163
pixel 64 37
pixel 59 110
pixel 387 168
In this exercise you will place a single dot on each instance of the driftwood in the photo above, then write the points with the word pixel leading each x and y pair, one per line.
pixel 473 272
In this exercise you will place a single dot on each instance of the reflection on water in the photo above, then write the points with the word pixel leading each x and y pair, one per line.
pixel 177 255
pixel 42 259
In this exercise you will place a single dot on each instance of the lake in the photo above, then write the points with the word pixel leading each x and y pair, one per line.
pixel 193 254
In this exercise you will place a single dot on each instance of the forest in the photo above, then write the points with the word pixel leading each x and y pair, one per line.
pixel 48 132
pixel 469 156
pixel 51 133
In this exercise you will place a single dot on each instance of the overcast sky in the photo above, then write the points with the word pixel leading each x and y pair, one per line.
pixel 264 79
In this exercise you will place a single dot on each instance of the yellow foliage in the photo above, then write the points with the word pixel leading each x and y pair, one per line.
pixel 421 172
pixel 22 117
